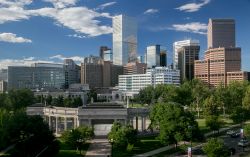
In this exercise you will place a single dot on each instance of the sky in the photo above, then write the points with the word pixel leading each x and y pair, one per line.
pixel 52 30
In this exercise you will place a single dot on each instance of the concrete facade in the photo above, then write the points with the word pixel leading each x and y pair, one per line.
pixel 3 86
pixel 134 68
pixel 221 33
pixel 220 66
pixel 61 119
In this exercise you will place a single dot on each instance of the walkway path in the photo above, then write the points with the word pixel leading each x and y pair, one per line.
pixel 7 149
pixel 166 148
pixel 99 147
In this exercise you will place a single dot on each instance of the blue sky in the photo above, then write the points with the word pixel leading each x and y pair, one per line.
pixel 51 30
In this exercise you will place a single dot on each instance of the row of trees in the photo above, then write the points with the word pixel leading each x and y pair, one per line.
pixel 60 101
pixel 29 134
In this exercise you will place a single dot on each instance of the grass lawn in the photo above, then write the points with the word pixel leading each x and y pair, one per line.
pixel 143 145
pixel 137 105
pixel 66 151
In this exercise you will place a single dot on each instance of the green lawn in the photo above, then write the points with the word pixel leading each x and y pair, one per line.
pixel 143 145
pixel 66 151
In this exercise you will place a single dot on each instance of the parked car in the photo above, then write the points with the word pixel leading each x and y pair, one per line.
pixel 235 135
pixel 230 132
pixel 243 143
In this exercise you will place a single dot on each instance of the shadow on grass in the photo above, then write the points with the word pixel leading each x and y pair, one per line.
pixel 67 151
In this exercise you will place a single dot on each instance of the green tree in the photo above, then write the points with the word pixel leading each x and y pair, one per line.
pixel 174 123
pixel 75 138
pixel 92 95
pixel 77 102
pixel 49 99
pixel 247 130
pixel 122 135
pixel 239 115
pixel 246 99
pixel 215 147
pixel 146 95
pixel 211 106
pixel 21 98
pixel 213 122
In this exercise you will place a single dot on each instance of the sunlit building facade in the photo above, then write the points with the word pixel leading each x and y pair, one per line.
pixel 156 56
pixel 124 40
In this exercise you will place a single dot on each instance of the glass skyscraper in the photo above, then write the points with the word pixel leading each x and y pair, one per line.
pixel 156 56
pixel 124 40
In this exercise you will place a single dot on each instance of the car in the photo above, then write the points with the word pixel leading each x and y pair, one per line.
pixel 235 135
pixel 230 132
pixel 243 143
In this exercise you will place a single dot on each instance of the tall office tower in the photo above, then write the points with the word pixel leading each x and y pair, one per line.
pixel 179 44
pixel 221 33
pixel 124 40
pixel 72 72
pixel 102 50
pixel 134 68
pixel 99 73
pixel 108 55
pixel 186 57
pixel 156 55
pixel 220 67
pixel 36 76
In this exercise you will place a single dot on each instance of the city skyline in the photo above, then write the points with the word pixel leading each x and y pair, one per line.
pixel 23 38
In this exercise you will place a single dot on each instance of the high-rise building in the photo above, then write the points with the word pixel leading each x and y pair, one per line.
pixel 134 68
pixel 99 73
pixel 221 33
pixel 124 39
pixel 220 66
pixel 36 76
pixel 179 44
pixel 156 56
pixel 4 74
pixel 108 55
pixel 102 50
pixel 72 72
pixel 186 57
pixel 158 75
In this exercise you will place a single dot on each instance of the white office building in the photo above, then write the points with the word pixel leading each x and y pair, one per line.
pixel 178 45
pixel 158 75
pixel 124 39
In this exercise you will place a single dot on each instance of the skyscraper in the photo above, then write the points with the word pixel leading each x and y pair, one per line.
pixel 179 44
pixel 72 72
pixel 221 33
pixel 186 57
pixel 102 51
pixel 124 40
pixel 156 56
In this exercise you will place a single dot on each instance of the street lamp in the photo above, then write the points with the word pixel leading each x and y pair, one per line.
pixel 191 136
pixel 79 142
pixel 112 142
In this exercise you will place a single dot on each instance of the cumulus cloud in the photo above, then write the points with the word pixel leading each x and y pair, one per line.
pixel 62 3
pixel 74 58
pixel 4 63
pixel 151 11
pixel 194 27
pixel 12 38
pixel 80 19
pixel 193 7
pixel 105 5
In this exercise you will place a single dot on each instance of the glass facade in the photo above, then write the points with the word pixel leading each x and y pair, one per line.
pixel 124 40
pixel 156 56
pixel 38 76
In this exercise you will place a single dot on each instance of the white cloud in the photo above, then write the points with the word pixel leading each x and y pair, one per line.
pixel 80 19
pixel 103 6
pixel 77 36
pixel 62 3
pixel 12 38
pixel 151 11
pixel 4 63
pixel 74 58
pixel 193 7
pixel 194 27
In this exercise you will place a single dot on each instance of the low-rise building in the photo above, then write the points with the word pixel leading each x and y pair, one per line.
pixel 159 75
pixel 3 86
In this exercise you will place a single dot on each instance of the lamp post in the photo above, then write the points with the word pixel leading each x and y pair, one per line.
pixel 191 136
pixel 79 142
pixel 112 142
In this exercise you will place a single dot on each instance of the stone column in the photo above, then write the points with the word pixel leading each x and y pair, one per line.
pixel 142 124
pixel 89 122
pixel 50 122
pixel 56 124
pixel 65 123
pixel 75 124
